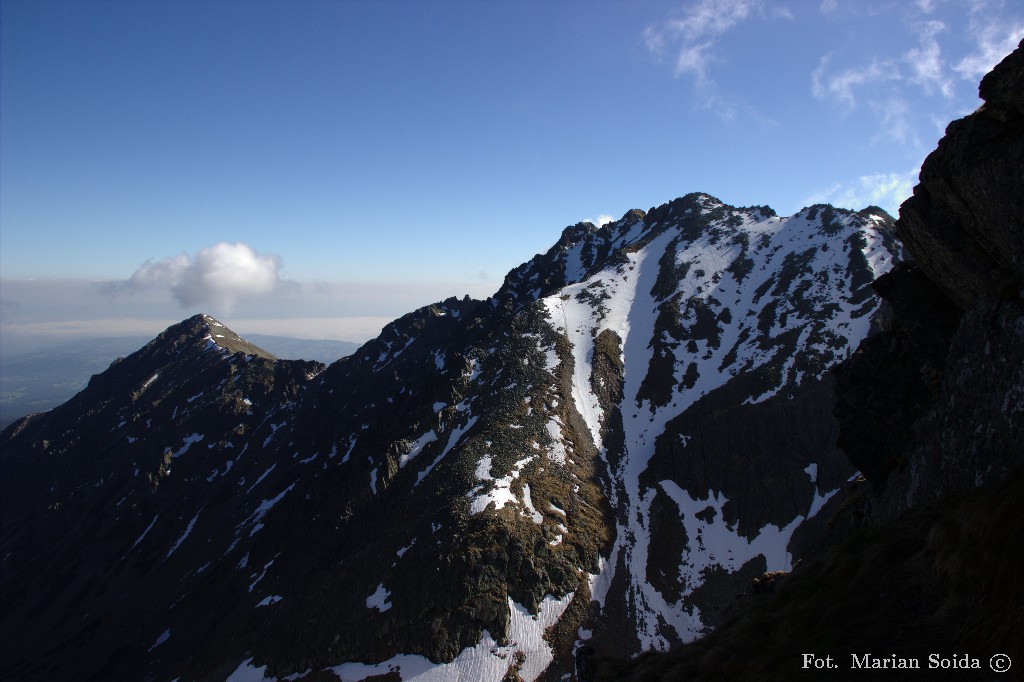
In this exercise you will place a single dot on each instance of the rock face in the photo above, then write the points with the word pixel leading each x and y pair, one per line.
pixel 931 410
pixel 955 420
pixel 633 427
pixel 963 223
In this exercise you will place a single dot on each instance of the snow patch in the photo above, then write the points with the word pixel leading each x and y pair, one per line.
pixel 485 662
pixel 453 440
pixel 184 535
pixel 187 442
pixel 161 639
pixel 145 532
pixel 416 447
pixel 262 509
pixel 812 472
pixel 247 672
pixel 380 599
pixel 715 542
pixel 500 492
pixel 272 599
pixel 531 511
pixel 557 452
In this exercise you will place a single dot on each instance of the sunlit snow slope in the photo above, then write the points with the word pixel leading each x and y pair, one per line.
pixel 745 297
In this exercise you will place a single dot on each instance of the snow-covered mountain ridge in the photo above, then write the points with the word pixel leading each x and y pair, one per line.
pixel 632 428
pixel 931 410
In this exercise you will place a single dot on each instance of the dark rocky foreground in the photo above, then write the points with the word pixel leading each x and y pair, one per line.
pixel 931 410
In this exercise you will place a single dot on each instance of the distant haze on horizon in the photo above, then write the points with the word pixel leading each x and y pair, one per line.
pixel 317 169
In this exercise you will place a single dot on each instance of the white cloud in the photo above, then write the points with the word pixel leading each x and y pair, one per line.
pixel 695 60
pixel 887 190
pixel 220 275
pixel 828 6
pixel 602 219
pixel 102 327
pixel 690 39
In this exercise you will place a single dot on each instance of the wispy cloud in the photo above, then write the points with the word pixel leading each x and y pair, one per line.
pixel 925 60
pixel 887 190
pixel 841 85
pixel 691 36
pixel 693 33
pixel 994 31
pixel 949 44
pixel 995 35
pixel 894 115
pixel 221 275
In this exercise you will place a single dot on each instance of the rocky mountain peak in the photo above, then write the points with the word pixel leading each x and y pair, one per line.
pixel 204 329
pixel 1002 89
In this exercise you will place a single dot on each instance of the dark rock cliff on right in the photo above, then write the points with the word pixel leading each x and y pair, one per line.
pixel 924 570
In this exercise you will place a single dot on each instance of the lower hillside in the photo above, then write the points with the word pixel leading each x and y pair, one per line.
pixel 938 586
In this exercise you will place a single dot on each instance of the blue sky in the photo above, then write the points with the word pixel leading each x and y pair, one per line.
pixel 329 160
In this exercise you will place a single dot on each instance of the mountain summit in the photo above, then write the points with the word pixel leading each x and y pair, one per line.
pixel 632 428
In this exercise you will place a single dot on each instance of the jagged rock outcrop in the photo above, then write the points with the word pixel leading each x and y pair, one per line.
pixel 963 223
